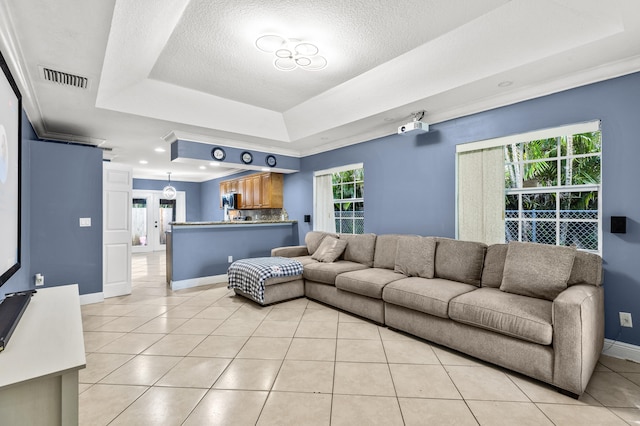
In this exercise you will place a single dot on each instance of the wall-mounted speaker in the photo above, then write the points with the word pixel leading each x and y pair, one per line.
pixel 307 218
pixel 618 224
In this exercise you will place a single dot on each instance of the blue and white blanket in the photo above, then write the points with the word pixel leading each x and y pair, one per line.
pixel 249 275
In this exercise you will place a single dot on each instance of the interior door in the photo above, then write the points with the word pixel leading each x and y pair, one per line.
pixel 141 222
pixel 117 183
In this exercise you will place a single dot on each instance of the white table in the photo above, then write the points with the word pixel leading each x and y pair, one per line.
pixel 39 367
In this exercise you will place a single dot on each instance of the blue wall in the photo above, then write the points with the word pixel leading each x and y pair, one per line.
pixel 192 190
pixel 22 280
pixel 66 184
pixel 410 180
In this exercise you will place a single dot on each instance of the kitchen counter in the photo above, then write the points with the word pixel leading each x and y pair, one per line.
pixel 199 253
pixel 235 222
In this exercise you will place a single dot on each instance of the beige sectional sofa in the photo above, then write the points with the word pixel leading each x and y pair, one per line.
pixel 532 308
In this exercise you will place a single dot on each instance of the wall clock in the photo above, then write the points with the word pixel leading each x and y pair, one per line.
pixel 218 154
pixel 271 161
pixel 247 157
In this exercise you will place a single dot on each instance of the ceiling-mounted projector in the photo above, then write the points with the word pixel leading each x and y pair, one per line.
pixel 413 128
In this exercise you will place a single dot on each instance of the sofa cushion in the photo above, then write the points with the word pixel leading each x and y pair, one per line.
pixel 415 256
pixel 367 282
pixel 305 260
pixel 523 317
pixel 494 265
pixel 329 250
pixel 386 248
pixel 430 296
pixel 459 260
pixel 537 270
pixel 587 269
pixel 360 248
pixel 314 238
pixel 326 273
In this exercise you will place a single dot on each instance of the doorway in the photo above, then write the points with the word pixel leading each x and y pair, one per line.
pixel 151 215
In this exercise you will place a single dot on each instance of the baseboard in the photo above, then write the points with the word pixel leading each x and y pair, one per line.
pixel 621 350
pixel 87 299
pixel 196 282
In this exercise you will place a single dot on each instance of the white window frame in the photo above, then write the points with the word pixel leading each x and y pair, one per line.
pixel 331 171
pixel 586 127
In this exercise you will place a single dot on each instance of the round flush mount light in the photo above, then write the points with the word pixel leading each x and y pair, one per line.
pixel 291 53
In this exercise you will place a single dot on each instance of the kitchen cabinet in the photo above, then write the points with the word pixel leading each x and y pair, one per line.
pixel 257 191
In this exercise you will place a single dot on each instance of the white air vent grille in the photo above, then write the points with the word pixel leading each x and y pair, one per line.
pixel 64 78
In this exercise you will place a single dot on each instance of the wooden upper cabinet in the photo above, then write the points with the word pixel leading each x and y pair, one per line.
pixel 271 189
pixel 248 193
pixel 258 191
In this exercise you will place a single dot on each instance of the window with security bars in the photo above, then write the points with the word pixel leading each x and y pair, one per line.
pixel 552 191
pixel 348 201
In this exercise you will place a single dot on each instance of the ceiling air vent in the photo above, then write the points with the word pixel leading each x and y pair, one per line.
pixel 64 78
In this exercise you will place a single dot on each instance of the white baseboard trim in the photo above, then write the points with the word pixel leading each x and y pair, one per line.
pixel 200 281
pixel 621 350
pixel 87 299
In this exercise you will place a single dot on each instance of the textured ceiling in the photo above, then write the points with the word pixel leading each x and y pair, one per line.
pixel 215 52
pixel 189 68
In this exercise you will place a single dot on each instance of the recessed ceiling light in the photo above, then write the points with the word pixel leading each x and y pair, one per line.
pixel 214 164
pixel 388 119
pixel 203 168
pixel 505 83
pixel 265 169
pixel 144 162
pixel 159 149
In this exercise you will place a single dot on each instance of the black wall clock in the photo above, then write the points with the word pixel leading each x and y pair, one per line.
pixel 247 157
pixel 218 153
pixel 271 161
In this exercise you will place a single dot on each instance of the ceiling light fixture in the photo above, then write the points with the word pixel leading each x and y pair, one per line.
pixel 159 150
pixel 291 53
pixel 505 83
pixel 169 192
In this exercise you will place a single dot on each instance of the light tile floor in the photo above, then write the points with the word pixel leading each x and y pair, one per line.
pixel 205 357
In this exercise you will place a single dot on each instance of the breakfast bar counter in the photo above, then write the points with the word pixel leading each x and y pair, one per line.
pixel 199 253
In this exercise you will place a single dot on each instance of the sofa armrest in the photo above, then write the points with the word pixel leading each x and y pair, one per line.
pixel 291 251
pixel 578 335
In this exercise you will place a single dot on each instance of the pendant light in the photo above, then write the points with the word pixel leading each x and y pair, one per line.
pixel 169 192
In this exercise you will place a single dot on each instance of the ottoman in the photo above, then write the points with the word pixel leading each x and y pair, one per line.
pixel 266 280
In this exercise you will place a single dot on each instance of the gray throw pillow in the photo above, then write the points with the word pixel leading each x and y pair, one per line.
pixel 415 256
pixel 329 250
pixel 460 260
pixel 537 270
pixel 494 265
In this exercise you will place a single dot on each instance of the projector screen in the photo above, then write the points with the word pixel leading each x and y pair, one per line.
pixel 10 146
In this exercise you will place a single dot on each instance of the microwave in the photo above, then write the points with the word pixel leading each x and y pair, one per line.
pixel 230 201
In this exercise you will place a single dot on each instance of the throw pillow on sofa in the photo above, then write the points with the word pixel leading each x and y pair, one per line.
pixel 329 250
pixel 537 270
pixel 460 260
pixel 415 256
pixel 313 239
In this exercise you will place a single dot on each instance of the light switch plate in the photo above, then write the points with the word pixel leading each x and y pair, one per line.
pixel 85 222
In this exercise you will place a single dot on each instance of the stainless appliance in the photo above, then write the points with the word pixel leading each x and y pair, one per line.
pixel 229 202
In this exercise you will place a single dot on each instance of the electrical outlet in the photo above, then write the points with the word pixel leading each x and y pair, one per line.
pixel 625 320
pixel 230 259
pixel 39 280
